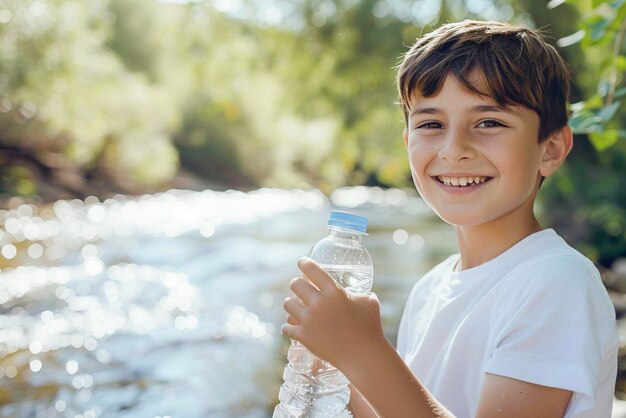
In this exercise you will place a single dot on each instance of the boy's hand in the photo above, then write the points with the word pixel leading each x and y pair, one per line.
pixel 334 324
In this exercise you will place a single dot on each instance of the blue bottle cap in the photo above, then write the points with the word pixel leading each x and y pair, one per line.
pixel 347 220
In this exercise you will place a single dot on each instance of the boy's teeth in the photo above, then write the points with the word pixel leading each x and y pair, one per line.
pixel 461 181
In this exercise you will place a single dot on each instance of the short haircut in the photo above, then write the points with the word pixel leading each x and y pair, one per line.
pixel 517 65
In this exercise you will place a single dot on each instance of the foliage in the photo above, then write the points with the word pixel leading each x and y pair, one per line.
pixel 601 33
pixel 64 94
pixel 586 200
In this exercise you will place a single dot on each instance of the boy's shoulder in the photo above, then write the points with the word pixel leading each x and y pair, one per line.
pixel 560 275
pixel 542 259
pixel 548 261
pixel 554 255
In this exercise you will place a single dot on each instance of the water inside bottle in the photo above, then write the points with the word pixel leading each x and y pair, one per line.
pixel 357 279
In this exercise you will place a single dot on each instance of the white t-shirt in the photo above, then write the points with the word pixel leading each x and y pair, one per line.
pixel 537 312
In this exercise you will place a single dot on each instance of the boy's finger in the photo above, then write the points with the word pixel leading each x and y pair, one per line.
pixel 293 307
pixel 316 274
pixel 291 320
pixel 289 330
pixel 303 289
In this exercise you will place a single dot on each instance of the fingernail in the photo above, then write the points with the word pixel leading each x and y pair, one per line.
pixel 303 260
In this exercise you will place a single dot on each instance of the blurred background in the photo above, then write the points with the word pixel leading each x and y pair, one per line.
pixel 163 164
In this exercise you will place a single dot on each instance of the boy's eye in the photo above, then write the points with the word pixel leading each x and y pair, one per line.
pixel 490 124
pixel 430 125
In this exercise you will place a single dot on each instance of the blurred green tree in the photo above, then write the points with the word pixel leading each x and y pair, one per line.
pixel 73 117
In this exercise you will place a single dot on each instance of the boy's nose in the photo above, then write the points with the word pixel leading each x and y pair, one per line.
pixel 456 146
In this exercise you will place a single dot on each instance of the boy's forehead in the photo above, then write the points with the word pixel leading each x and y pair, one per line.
pixel 451 82
pixel 454 95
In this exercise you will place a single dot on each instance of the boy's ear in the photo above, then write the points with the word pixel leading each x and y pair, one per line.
pixel 556 148
pixel 405 135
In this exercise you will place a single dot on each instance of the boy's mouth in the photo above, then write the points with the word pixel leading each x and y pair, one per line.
pixel 462 181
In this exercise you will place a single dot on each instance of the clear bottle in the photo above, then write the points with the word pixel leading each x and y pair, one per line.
pixel 313 388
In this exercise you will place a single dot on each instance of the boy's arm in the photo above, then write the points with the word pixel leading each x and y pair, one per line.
pixel 346 330
pixel 359 406
pixel 506 397
pixel 387 383
pixel 394 391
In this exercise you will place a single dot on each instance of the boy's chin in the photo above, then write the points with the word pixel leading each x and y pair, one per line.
pixel 460 220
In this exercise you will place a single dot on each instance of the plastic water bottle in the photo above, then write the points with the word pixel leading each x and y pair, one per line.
pixel 313 388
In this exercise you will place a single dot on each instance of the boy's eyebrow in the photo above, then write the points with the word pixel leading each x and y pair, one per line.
pixel 494 108
pixel 476 109
pixel 425 110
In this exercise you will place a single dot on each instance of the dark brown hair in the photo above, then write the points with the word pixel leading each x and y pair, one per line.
pixel 517 66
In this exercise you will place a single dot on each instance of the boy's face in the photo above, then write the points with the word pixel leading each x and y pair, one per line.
pixel 473 161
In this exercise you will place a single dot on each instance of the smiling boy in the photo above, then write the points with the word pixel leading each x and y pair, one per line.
pixel 518 324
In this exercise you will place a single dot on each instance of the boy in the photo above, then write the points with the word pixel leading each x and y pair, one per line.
pixel 516 325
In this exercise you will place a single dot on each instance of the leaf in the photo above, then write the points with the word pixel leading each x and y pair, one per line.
pixel 617 4
pixel 603 87
pixel 620 92
pixel 571 39
pixel 577 107
pixel 598 29
pixel 607 112
pixel 604 139
pixel 585 122
pixel 554 3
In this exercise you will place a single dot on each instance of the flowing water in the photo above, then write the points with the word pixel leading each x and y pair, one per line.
pixel 170 305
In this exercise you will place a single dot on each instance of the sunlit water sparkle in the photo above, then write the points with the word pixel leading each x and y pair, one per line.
pixel 170 304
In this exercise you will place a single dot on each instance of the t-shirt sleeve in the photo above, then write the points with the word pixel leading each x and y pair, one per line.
pixel 556 329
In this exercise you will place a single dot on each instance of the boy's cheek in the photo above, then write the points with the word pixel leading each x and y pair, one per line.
pixel 416 161
pixel 416 181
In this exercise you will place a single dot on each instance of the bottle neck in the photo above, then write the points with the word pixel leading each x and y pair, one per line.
pixel 345 234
